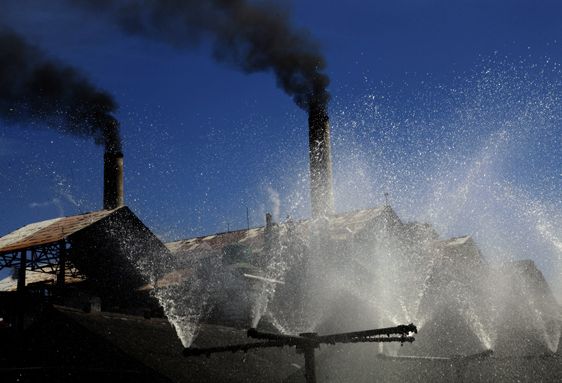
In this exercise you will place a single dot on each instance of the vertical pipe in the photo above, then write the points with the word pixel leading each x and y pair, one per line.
pixel 309 364
pixel 321 193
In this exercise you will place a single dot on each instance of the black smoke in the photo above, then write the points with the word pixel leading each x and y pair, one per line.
pixel 36 90
pixel 252 36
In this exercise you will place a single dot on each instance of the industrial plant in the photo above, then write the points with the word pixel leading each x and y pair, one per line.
pixel 99 296
pixel 338 296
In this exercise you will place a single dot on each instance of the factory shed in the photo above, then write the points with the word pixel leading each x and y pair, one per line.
pixel 101 251
pixel 252 245
pixel 242 259
pixel 449 293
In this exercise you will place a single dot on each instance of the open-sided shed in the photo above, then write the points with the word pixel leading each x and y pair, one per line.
pixel 111 249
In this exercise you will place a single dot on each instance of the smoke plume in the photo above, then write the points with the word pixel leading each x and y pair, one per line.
pixel 37 90
pixel 251 36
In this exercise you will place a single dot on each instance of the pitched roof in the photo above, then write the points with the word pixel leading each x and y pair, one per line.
pixel 340 226
pixel 50 231
pixel 455 241
pixel 216 241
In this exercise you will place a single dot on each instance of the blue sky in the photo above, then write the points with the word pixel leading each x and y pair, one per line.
pixel 451 106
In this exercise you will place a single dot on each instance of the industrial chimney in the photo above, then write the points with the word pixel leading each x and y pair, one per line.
pixel 320 162
pixel 113 180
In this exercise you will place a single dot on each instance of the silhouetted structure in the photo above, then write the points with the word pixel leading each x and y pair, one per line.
pixel 86 262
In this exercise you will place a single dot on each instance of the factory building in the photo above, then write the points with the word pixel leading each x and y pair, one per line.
pixel 90 313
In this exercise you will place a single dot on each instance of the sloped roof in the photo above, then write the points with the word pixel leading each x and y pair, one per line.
pixel 454 242
pixel 339 226
pixel 50 231
pixel 216 241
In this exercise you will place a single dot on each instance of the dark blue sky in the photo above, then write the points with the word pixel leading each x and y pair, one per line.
pixel 425 93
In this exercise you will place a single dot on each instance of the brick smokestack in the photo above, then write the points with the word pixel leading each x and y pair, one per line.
pixel 321 193
pixel 113 180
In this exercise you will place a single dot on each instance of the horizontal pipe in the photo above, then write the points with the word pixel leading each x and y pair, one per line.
pixel 403 330
pixel 311 340
pixel 479 356
pixel 255 334
pixel 412 357
pixel 298 342
pixel 380 339
pixel 192 351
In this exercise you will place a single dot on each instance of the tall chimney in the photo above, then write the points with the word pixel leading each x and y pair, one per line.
pixel 112 180
pixel 322 197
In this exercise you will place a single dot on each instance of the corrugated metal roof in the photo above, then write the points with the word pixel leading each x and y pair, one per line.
pixel 340 226
pixel 456 241
pixel 52 230
pixel 216 241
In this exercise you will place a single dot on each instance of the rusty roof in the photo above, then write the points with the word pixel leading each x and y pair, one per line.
pixel 340 226
pixel 50 231
pixel 216 241
pixel 455 241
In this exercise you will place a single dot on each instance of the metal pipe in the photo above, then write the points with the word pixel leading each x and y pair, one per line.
pixel 307 342
pixel 378 335
pixel 309 365
pixel 402 330
pixel 380 339
pixel 291 340
pixel 194 351
pixel 309 360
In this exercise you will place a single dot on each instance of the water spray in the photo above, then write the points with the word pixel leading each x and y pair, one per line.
pixel 306 343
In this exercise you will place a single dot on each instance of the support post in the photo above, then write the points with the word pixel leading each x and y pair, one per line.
pixel 62 262
pixel 21 272
pixel 309 364
pixel 21 292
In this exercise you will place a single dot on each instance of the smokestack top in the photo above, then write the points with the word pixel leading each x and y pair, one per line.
pixel 268 220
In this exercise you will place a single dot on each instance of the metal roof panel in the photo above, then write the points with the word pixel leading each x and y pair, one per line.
pixel 50 231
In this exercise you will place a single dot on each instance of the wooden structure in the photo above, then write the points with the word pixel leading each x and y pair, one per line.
pixel 104 248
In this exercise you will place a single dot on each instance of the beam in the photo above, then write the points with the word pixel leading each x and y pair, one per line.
pixel 62 261
pixel 22 301
pixel 21 271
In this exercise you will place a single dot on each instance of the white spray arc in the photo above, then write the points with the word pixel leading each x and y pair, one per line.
pixel 456 165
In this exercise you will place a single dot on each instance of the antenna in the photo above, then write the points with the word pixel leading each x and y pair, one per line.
pixel 386 199
pixel 248 217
